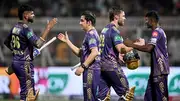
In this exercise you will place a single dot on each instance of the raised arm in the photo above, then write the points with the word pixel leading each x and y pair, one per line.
pixel 49 26
pixel 65 39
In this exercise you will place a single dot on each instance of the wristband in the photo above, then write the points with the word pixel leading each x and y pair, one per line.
pixel 83 66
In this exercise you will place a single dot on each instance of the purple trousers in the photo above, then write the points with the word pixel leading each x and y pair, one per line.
pixel 25 73
pixel 91 80
pixel 157 89
pixel 115 79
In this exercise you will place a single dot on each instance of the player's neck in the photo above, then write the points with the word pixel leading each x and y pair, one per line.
pixel 115 23
pixel 24 21
pixel 90 28
pixel 155 26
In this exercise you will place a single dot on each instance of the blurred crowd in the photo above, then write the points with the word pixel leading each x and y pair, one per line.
pixel 73 8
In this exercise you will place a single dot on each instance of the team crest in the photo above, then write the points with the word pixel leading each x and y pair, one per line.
pixel 155 34
pixel 118 38
pixel 29 35
pixel 92 41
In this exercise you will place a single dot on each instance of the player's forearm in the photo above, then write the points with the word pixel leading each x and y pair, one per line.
pixel 45 33
pixel 49 26
pixel 123 49
pixel 90 58
pixel 74 49
pixel 144 48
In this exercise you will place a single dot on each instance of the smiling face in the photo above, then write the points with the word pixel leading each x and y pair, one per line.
pixel 84 23
pixel 121 18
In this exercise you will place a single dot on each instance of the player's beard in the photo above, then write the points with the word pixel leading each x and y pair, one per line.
pixel 120 23
pixel 30 20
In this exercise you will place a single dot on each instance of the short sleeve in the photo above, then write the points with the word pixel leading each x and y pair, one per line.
pixel 30 35
pixel 92 41
pixel 154 38
pixel 116 38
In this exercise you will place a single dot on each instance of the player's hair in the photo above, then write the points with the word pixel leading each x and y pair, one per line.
pixel 152 14
pixel 89 16
pixel 22 9
pixel 114 11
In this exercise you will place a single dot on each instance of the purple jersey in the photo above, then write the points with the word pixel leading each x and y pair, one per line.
pixel 159 55
pixel 91 40
pixel 110 37
pixel 21 41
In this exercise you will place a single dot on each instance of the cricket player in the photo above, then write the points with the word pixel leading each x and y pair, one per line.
pixel 21 41
pixel 157 88
pixel 111 45
pixel 89 56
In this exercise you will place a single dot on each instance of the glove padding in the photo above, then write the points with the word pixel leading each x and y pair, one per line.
pixel 31 96
pixel 108 96
pixel 132 59
pixel 130 94
pixel 36 52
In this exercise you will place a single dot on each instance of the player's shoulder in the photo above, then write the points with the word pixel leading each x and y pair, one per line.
pixel 104 30
pixel 92 32
pixel 25 26
pixel 155 33
pixel 158 31
pixel 115 29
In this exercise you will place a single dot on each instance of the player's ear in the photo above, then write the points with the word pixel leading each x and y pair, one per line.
pixel 115 17
pixel 89 22
pixel 25 16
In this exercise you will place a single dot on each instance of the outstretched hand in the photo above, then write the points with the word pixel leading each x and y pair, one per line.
pixel 63 37
pixel 140 42
pixel 51 23
pixel 128 42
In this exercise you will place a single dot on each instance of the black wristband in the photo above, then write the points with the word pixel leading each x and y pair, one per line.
pixel 83 66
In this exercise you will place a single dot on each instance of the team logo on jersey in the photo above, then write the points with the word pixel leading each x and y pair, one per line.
pixel 29 35
pixel 118 38
pixel 155 34
pixel 92 41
